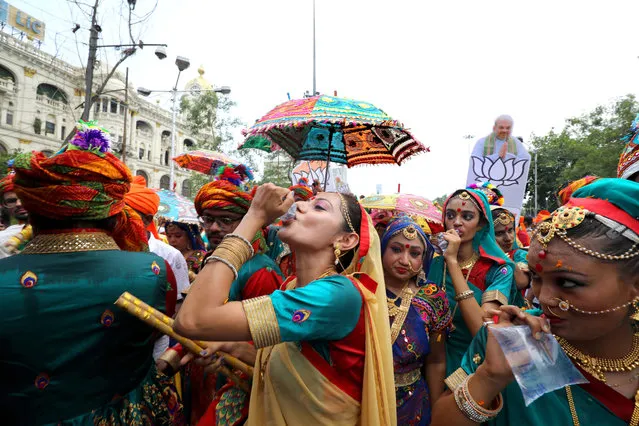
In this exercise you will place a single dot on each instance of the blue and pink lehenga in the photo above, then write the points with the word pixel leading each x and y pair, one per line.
pixel 428 313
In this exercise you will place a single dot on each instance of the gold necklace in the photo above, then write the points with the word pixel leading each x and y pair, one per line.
pixel 470 262
pixel 598 366
pixel 406 293
pixel 399 313
pixel 634 420
pixel 391 300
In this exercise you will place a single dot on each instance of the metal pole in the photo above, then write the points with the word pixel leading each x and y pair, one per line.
pixel 314 61
pixel 126 112
pixel 173 131
pixel 172 166
pixel 536 206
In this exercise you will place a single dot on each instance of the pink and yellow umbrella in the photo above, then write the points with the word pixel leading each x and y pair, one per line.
pixel 419 208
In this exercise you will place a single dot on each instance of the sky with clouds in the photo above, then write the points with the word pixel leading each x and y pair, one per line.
pixel 444 69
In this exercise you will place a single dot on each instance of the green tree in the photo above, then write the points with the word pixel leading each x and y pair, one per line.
pixel 208 117
pixel 441 200
pixel 4 159
pixel 588 145
pixel 277 169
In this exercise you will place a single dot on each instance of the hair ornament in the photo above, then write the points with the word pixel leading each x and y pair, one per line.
pixel 568 217
pixel 410 233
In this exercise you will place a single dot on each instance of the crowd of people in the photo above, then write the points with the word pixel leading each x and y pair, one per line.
pixel 293 306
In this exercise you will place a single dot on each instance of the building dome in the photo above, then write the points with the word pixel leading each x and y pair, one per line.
pixel 198 83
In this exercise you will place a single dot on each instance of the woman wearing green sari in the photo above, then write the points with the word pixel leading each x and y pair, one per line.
pixel 474 271
pixel 585 272
pixel 506 237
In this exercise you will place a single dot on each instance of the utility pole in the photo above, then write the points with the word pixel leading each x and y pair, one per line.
pixel 93 49
pixel 126 111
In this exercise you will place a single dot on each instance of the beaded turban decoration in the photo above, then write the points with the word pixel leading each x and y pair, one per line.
pixel 232 190
pixel 302 190
pixel 83 181
pixel 629 159
pixel 612 202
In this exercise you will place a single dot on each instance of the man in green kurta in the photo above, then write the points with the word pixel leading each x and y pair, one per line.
pixel 69 355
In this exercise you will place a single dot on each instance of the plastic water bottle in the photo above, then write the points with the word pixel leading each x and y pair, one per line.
pixel 441 244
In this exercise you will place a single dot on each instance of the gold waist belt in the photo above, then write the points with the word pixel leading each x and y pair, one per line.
pixel 405 379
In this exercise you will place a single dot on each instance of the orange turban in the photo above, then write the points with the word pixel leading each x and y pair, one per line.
pixel 6 183
pixel 143 200
pixel 82 182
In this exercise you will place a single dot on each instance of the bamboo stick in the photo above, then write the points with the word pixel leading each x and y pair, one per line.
pixel 229 359
pixel 162 323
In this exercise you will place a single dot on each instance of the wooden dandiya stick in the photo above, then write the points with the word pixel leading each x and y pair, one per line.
pixel 154 318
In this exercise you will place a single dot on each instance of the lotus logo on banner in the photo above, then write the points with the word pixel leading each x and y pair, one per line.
pixel 499 172
pixel 507 170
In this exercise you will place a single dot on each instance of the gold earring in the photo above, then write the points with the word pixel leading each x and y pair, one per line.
pixel 337 253
pixel 635 310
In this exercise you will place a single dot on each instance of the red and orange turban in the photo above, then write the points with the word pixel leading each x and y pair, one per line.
pixel 143 200
pixel 231 191
pixel 302 189
pixel 6 183
pixel 83 182
pixel 565 193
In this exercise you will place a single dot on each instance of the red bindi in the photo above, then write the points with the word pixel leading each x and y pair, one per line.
pixel 538 267
pixel 463 203
pixel 407 245
pixel 542 254
pixel 458 210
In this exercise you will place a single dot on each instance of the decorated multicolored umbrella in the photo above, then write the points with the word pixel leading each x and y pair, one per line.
pixel 413 205
pixel 176 208
pixel 333 129
pixel 203 161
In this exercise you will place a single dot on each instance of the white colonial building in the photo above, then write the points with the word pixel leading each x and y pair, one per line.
pixel 41 98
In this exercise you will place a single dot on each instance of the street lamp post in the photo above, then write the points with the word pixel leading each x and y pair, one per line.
pixel 225 90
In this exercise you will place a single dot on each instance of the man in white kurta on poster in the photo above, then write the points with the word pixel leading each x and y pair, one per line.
pixel 502 160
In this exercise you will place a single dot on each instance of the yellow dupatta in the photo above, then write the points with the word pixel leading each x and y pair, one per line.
pixel 301 394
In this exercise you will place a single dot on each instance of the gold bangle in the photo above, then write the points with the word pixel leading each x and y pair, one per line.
pixel 246 242
pixel 464 295
pixel 471 409
pixel 214 258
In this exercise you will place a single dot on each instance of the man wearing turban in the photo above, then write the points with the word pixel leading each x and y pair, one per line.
pixel 221 205
pixel 146 202
pixel 301 190
pixel 15 233
pixel 75 357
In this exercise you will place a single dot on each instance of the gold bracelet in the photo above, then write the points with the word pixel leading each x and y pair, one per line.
pixel 470 408
pixel 239 246
pixel 246 242
pixel 233 251
pixel 213 258
pixel 464 295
